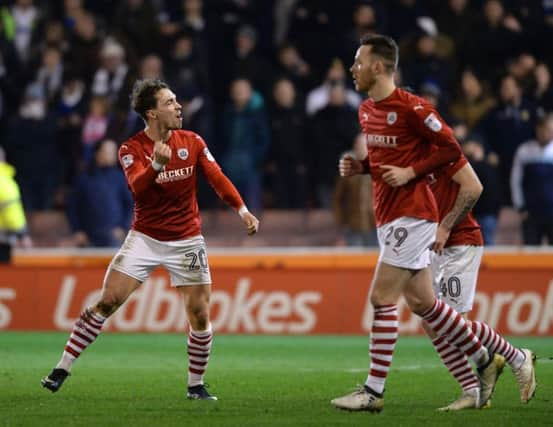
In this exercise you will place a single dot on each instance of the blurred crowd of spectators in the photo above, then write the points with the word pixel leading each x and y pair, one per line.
pixel 266 83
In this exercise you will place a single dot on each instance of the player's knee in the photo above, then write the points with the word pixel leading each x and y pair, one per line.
pixel 107 305
pixel 418 306
pixel 377 299
pixel 199 317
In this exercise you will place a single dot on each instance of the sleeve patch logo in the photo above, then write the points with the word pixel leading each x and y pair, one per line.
pixel 208 155
pixel 433 123
pixel 127 160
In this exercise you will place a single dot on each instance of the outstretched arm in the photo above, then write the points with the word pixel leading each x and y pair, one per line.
pixel 227 192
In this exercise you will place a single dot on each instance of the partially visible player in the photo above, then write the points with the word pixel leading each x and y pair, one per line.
pixel 407 139
pixel 161 165
pixel 458 251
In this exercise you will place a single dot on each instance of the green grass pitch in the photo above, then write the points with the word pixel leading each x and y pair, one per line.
pixel 139 380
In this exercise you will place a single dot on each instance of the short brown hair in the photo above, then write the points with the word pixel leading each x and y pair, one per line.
pixel 383 46
pixel 143 96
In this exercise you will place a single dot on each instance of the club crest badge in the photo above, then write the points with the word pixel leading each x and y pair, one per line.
pixel 391 118
pixel 182 153
pixel 127 160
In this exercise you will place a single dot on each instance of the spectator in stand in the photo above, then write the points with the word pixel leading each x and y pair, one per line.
pixel 352 203
pixel 100 208
pixel 472 102
pixel 23 16
pixel 95 126
pixel 368 17
pixel 334 128
pixel 85 47
pixel 433 94
pixel 292 66
pixel 487 208
pixel 71 108
pixel 110 78
pixel 31 146
pixel 311 29
pixel 52 36
pixel 424 63
pixel 247 62
pixel 189 78
pixel 543 87
pixel 405 17
pixel 286 166
pixel 125 121
pixel 532 184
pixel 50 74
pixel 136 25
pixel 522 69
pixel 13 225
pixel 507 126
pixel 319 97
pixel 496 38
pixel 247 137
pixel 456 20
pixel 12 76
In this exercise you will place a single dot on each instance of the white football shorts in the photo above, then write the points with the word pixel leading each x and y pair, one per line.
pixel 185 260
pixel 405 242
pixel 455 274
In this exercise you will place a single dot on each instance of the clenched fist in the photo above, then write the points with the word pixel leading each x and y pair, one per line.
pixel 349 166
pixel 251 223
pixel 162 153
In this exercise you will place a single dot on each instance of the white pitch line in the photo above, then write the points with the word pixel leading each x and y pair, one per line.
pixel 412 367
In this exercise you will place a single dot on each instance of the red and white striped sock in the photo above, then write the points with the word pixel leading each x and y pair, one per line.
pixel 456 363
pixel 497 344
pixel 447 323
pixel 199 347
pixel 85 331
pixel 383 341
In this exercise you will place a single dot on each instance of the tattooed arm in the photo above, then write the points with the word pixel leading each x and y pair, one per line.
pixel 470 189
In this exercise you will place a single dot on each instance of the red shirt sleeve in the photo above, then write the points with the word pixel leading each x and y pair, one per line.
pixel 139 177
pixel 224 188
pixel 426 121
pixel 453 168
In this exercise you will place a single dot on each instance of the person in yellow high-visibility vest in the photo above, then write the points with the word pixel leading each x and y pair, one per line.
pixel 13 225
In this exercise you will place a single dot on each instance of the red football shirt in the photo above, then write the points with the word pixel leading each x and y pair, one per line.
pixel 165 204
pixel 445 190
pixel 401 130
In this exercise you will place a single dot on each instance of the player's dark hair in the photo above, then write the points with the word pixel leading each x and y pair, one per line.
pixel 143 96
pixel 383 46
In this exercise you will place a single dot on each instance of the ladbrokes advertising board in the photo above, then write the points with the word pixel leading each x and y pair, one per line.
pixel 262 301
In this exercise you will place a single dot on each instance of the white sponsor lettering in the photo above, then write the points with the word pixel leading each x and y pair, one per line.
pixel 161 296
pixel 524 313
pixel 389 141
pixel 547 318
pixel 156 307
pixel 409 322
pixel 174 174
pixel 64 302
pixel 515 321
pixel 5 312
pixel 301 308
